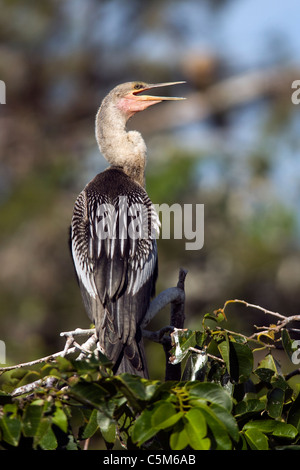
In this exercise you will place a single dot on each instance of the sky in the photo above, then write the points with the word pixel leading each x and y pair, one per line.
pixel 245 25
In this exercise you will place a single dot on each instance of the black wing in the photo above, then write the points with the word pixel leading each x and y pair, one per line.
pixel 115 257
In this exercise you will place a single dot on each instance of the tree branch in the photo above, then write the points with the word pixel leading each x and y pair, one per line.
pixel 282 322
pixel 84 349
pixel 177 317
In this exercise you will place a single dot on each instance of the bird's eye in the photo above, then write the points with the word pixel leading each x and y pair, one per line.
pixel 138 86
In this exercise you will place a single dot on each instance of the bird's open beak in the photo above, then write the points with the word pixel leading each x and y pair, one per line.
pixel 137 93
pixel 134 102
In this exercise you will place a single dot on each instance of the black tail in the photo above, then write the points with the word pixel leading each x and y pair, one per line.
pixel 132 360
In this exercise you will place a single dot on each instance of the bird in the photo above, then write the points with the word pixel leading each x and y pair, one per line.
pixel 113 232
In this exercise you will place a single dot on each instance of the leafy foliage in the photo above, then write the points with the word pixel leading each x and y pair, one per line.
pixel 225 400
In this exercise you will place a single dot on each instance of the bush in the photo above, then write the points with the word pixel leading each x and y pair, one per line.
pixel 225 401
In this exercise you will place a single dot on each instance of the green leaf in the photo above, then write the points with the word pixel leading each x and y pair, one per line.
pixel 287 343
pixel 32 417
pixel 276 428
pixel 60 419
pixel 266 426
pixel 196 429
pixel 162 389
pixel 72 444
pixel 133 387
pixel 179 438
pixel 270 426
pixel 217 428
pixel 279 382
pixel 238 358
pixel 143 429
pixel 91 426
pixel 266 369
pixel 89 392
pixel 216 317
pixel 41 431
pixel 107 426
pixel 287 431
pixel 165 415
pixel 48 441
pixel 265 375
pixel 64 365
pixel 227 420
pixel 28 378
pixel 275 402
pixel 243 355
pixel 212 393
pixel 256 439
pixel 196 422
pixel 224 349
pixel 11 429
pixel 252 405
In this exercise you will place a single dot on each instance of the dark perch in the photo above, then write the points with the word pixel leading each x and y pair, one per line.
pixel 177 317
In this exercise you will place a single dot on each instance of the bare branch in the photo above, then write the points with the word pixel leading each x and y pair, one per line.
pixel 84 348
pixel 49 358
pixel 258 307
pixel 200 351
pixel 48 382
pixel 282 322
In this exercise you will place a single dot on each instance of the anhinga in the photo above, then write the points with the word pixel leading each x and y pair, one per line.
pixel 116 267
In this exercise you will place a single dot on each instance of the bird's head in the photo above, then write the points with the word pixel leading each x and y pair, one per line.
pixel 128 97
pixel 119 147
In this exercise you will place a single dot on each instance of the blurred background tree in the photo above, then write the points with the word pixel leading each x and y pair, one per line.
pixel 233 145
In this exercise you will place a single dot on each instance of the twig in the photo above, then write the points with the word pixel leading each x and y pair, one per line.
pixel 84 348
pixel 258 307
pixel 282 322
pixel 200 351
pixel 89 346
pixel 47 383
pixel 79 332
pixel 51 357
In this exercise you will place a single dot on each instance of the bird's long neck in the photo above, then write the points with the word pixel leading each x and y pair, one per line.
pixel 123 149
